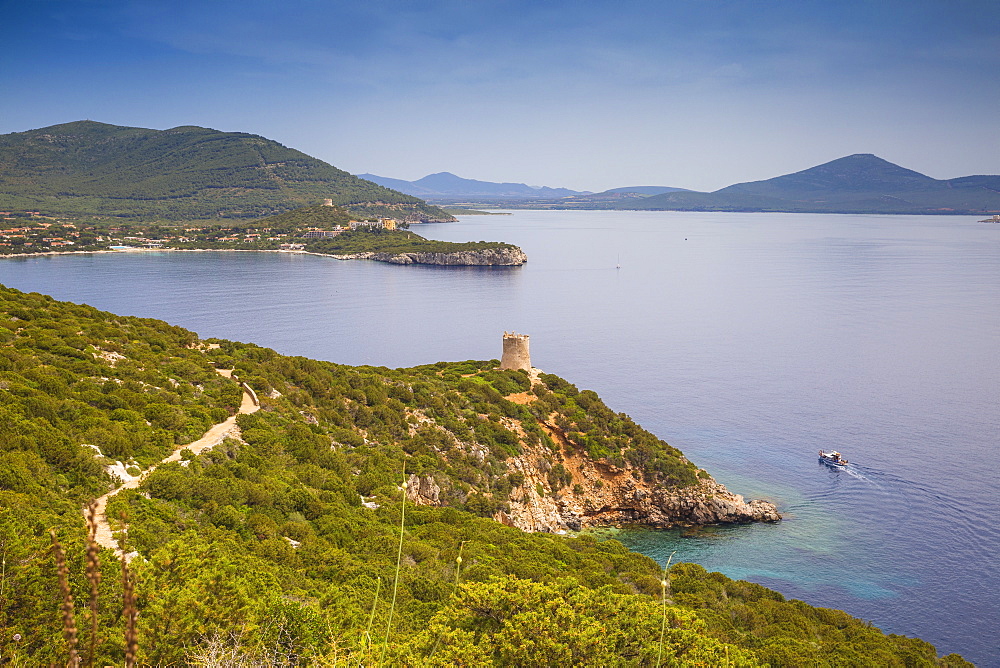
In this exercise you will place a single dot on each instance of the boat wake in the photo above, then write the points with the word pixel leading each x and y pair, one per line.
pixel 835 461
pixel 973 527
pixel 855 471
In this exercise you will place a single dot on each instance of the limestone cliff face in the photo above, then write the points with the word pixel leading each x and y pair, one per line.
pixel 511 256
pixel 562 488
pixel 423 491
pixel 603 495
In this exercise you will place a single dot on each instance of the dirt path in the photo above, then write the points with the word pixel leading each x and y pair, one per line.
pixel 212 437
pixel 522 398
pixel 525 398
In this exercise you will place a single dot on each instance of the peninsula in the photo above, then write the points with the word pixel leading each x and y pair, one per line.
pixel 88 186
pixel 348 509
pixel 318 230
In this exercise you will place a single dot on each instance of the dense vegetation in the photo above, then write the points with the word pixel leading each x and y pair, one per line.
pixel 294 545
pixel 89 169
pixel 394 241
pixel 40 234
pixel 305 217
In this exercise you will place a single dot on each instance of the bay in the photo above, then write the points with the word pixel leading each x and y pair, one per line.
pixel 749 341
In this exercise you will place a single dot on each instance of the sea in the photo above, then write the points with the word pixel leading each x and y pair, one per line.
pixel 748 340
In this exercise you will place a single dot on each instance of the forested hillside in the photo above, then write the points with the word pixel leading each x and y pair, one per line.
pixel 304 541
pixel 91 169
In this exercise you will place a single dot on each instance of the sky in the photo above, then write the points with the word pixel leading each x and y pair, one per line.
pixel 582 94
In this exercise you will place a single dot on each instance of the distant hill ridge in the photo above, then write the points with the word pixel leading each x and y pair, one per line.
pixel 643 190
pixel 859 173
pixel 86 168
pixel 447 186
pixel 860 183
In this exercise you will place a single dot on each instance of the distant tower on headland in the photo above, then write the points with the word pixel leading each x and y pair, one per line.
pixel 515 352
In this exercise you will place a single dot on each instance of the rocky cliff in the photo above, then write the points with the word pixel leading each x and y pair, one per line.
pixel 509 256
pixel 562 488
pixel 598 494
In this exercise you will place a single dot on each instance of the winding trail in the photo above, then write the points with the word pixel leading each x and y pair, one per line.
pixel 215 435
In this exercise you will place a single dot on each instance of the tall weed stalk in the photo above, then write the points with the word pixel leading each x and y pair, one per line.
pixel 399 562
pixel 129 610
pixel 93 576
pixel 371 618
pixel 69 619
pixel 454 590
pixel 664 586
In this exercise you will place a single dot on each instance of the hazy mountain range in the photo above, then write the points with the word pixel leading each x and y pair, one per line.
pixel 87 168
pixel 447 186
pixel 860 183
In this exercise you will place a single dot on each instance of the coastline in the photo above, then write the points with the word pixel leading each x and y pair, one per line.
pixel 389 258
pixel 183 250
pixel 772 546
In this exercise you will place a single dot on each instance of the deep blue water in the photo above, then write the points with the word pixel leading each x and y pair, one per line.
pixel 749 341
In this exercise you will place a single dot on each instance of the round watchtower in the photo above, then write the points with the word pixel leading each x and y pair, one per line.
pixel 515 352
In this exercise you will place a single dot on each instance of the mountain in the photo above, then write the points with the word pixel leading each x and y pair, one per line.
pixel 87 168
pixel 617 197
pixel 861 183
pixel 445 186
pixel 402 186
pixel 641 190
pixel 861 175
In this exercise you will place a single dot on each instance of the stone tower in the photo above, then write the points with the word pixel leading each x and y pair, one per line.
pixel 515 352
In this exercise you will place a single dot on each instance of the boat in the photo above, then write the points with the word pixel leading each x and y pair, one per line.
pixel 833 458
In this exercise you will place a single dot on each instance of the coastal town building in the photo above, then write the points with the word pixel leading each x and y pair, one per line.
pixel 28 229
pixel 38 235
pixel 322 234
pixel 384 223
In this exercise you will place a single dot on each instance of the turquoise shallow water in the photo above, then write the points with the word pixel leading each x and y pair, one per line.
pixel 749 341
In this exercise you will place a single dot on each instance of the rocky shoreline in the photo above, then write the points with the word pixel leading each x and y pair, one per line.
pixel 607 495
pixel 507 257
pixel 600 494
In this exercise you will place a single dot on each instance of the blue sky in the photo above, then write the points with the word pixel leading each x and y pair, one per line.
pixel 573 93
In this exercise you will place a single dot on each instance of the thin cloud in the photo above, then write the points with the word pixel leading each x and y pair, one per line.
pixel 579 93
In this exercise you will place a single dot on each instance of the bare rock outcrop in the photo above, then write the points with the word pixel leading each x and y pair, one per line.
pixel 558 487
pixel 423 491
pixel 604 495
